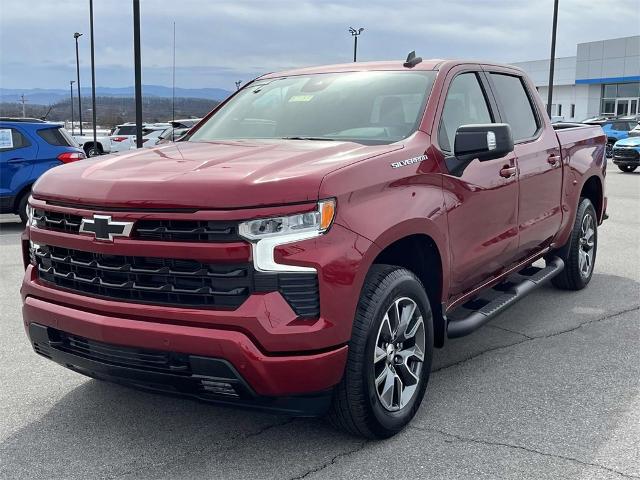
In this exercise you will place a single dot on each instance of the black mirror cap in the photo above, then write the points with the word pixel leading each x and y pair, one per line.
pixel 483 141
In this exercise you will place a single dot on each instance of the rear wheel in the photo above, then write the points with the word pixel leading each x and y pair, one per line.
pixel 627 168
pixel 389 359
pixel 92 151
pixel 579 254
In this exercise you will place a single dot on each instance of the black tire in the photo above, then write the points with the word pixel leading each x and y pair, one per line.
pixel 627 168
pixel 357 406
pixel 573 276
pixel 609 149
pixel 92 152
pixel 22 207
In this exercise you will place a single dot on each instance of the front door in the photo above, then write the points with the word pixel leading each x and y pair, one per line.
pixel 481 197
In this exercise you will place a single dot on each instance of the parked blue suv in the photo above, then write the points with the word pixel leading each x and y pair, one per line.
pixel 28 148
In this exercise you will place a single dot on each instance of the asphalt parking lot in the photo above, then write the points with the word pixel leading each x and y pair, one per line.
pixel 551 389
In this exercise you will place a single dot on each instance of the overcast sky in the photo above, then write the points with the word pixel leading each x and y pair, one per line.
pixel 222 41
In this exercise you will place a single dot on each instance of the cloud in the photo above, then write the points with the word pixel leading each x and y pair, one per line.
pixel 222 41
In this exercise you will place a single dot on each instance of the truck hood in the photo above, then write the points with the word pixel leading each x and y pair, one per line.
pixel 628 142
pixel 204 175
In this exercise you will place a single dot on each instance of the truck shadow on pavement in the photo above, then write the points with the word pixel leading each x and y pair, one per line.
pixel 522 382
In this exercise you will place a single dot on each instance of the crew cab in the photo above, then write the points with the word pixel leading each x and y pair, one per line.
pixel 305 246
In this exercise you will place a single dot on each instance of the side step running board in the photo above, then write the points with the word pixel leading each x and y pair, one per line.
pixel 476 313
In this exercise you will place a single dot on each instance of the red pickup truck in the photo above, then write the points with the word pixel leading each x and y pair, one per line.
pixel 308 243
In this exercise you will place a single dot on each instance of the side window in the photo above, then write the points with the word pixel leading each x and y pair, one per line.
pixel 621 126
pixel 12 139
pixel 465 104
pixel 515 105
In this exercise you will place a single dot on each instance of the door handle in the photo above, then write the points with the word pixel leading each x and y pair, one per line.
pixel 16 160
pixel 553 160
pixel 508 172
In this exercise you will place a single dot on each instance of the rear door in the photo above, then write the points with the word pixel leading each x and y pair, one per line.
pixel 539 162
pixel 18 153
pixel 481 197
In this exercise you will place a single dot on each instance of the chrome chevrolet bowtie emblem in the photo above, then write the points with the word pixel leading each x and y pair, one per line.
pixel 104 228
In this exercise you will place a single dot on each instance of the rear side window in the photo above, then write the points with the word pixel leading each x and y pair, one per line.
pixel 516 106
pixel 56 137
pixel 125 130
pixel 18 140
pixel 465 104
pixel 621 126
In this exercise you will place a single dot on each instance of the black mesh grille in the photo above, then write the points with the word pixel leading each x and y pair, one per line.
pixel 167 362
pixel 145 279
pixel 186 230
pixel 628 153
pixel 158 230
pixel 184 283
pixel 301 291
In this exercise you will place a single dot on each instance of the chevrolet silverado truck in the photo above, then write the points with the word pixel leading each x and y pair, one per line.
pixel 307 245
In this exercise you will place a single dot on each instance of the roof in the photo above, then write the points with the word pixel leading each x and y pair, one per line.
pixel 430 64
pixel 21 120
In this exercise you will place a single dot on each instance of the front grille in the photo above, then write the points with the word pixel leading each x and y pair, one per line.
pixel 158 230
pixel 167 362
pixel 626 153
pixel 186 230
pixel 186 283
pixel 183 283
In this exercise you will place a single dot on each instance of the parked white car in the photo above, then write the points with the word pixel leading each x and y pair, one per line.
pixel 103 142
pixel 123 137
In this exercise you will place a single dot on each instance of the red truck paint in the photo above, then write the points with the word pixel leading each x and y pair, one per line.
pixel 479 231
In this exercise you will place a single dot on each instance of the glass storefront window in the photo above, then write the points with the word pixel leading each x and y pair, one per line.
pixel 610 91
pixel 608 106
pixel 628 89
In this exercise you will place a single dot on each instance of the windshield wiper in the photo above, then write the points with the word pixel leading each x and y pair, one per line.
pixel 310 138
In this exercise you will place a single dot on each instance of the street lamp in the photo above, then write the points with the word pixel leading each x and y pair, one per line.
pixel 355 33
pixel 71 82
pixel 76 36
pixel 552 59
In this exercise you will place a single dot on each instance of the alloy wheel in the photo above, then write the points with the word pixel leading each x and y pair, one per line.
pixel 587 244
pixel 399 354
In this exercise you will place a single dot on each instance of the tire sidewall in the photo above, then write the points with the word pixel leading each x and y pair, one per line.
pixel 22 207
pixel 585 207
pixel 405 286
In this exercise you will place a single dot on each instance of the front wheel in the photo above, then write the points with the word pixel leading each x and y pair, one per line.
pixel 389 358
pixel 579 254
pixel 93 151
pixel 609 149
pixel 627 168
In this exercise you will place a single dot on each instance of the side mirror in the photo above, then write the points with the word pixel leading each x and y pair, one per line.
pixel 484 142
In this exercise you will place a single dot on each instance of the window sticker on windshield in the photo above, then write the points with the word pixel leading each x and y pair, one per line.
pixel 301 98
pixel 6 140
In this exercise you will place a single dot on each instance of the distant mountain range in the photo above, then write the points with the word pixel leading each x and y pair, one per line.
pixel 40 96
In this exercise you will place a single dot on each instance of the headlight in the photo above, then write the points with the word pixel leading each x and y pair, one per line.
pixel 267 233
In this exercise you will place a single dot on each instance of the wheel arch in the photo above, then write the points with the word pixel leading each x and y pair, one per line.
pixel 592 189
pixel 420 253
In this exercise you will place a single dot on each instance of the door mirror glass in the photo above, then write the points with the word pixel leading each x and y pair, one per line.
pixel 484 142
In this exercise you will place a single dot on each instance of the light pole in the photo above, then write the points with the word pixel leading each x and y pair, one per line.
pixel 93 80
pixel 553 56
pixel 76 36
pixel 138 71
pixel 355 33
pixel 71 82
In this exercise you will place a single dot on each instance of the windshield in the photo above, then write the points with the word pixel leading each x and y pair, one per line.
pixel 366 107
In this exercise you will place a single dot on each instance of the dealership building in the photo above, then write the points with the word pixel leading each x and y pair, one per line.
pixel 602 78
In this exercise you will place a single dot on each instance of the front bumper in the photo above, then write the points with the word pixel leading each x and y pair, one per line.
pixel 297 384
